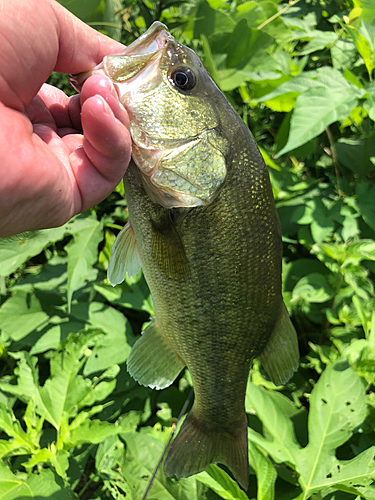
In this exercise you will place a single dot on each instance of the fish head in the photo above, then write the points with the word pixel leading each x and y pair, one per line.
pixel 179 145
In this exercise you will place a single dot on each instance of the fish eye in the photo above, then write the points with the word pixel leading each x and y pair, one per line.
pixel 183 78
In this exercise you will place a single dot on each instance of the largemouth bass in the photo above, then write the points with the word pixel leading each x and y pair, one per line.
pixel 204 228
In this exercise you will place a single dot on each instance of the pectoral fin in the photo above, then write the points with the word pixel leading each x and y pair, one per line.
pixel 125 257
pixel 152 361
pixel 280 357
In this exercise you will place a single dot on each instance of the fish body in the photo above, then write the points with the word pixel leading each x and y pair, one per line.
pixel 204 228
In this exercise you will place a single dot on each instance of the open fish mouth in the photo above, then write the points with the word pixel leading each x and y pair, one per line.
pixel 177 145
pixel 137 55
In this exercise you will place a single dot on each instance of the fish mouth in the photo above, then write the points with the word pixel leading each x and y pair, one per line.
pixel 137 55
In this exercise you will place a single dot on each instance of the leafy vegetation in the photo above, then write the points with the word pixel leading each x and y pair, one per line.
pixel 73 424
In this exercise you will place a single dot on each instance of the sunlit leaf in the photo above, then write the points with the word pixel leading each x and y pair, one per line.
pixel 314 111
pixel 82 253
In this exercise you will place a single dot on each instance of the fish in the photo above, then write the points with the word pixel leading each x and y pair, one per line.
pixel 204 228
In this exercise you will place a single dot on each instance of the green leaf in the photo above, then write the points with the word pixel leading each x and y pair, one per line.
pixel 11 487
pixel 45 485
pixel 355 154
pixel 112 18
pixel 115 345
pixel 314 111
pixel 21 314
pixel 17 250
pixel 143 452
pixel 11 426
pixel 344 54
pixel 133 293
pixel 208 21
pixel 325 77
pixel 365 198
pixel 283 446
pixel 57 458
pixel 364 39
pixel 265 471
pixel 219 481
pixel 81 8
pixel 313 288
pixel 368 9
pixel 337 408
pixel 91 431
pixel 319 42
pixel 82 253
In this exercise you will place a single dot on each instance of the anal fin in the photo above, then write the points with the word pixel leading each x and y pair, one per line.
pixel 152 361
pixel 125 257
pixel 280 357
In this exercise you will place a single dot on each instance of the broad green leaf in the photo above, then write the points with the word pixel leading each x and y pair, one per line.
pixel 21 314
pixel 81 8
pixel 314 111
pixel 344 54
pixel 265 472
pixel 64 390
pixel 17 250
pixel 355 154
pixel 337 407
pixel 364 39
pixel 360 250
pixel 143 453
pixel 115 346
pixel 91 431
pixel 366 195
pixel 27 377
pixel 321 40
pixel 112 18
pixel 219 481
pixel 11 426
pixel 44 485
pixel 82 254
pixel 368 9
pixel 208 20
pixel 57 458
pixel 313 288
pixel 283 445
pixel 133 293
pixel 257 15
pixel 325 77
pixel 109 454
pixel 12 487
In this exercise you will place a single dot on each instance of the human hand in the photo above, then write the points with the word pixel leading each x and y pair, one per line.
pixel 49 171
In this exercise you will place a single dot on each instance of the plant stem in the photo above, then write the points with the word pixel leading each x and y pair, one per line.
pixel 335 160
pixel 168 443
pixel 278 14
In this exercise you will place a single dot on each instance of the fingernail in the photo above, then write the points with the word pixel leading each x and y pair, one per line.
pixel 105 106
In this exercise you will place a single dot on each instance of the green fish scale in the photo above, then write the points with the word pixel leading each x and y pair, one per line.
pixel 221 315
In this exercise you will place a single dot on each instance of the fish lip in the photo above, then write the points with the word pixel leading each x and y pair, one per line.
pixel 151 41
pixel 148 44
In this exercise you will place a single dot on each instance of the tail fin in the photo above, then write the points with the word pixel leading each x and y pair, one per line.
pixel 199 444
